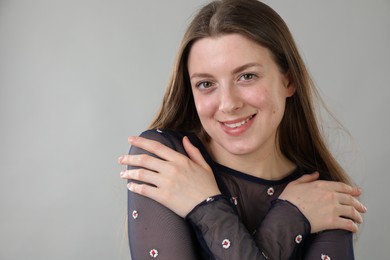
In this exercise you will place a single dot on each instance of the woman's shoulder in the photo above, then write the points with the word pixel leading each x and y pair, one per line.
pixel 174 140
pixel 170 138
pixel 160 134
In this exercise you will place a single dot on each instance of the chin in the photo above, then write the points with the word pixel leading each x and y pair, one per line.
pixel 238 150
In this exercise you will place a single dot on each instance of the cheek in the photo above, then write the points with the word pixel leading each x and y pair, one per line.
pixel 205 105
pixel 268 102
pixel 257 98
pixel 278 108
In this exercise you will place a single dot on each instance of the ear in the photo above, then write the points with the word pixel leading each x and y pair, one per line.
pixel 289 85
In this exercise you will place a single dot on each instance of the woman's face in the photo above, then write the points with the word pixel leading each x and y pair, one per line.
pixel 239 94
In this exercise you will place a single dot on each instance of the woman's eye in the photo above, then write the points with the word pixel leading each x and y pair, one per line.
pixel 247 76
pixel 205 85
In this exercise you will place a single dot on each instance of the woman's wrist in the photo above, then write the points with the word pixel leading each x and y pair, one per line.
pixel 208 200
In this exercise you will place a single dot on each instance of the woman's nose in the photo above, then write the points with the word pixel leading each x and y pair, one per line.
pixel 229 100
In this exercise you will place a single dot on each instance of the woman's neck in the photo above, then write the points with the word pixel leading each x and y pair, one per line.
pixel 268 164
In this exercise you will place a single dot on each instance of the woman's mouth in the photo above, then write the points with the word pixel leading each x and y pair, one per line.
pixel 232 125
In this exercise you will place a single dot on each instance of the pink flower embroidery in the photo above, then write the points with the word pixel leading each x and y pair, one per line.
pixel 298 239
pixel 226 243
pixel 153 253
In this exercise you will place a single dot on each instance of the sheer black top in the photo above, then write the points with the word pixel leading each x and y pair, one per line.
pixel 247 221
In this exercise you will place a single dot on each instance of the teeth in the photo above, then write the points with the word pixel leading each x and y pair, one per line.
pixel 239 123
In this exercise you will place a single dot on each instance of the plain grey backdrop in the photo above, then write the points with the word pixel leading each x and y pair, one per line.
pixel 78 76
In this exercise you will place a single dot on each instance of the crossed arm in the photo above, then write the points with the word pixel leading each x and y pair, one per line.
pixel 167 184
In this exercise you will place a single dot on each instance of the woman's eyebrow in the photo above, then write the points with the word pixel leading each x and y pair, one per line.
pixel 246 66
pixel 200 75
pixel 235 71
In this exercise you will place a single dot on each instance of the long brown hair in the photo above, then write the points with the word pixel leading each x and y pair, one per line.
pixel 299 136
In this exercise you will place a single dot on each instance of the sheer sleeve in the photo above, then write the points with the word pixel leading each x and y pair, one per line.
pixel 218 225
pixel 284 216
pixel 330 244
pixel 155 231
pixel 214 229
pixel 282 231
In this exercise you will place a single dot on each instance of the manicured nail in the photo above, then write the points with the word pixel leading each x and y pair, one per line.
pixel 120 159
pixel 130 186
pixel 130 139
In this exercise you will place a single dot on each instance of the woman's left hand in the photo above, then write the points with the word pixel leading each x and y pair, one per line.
pixel 176 181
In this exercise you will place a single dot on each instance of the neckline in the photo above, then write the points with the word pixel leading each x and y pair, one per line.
pixel 295 174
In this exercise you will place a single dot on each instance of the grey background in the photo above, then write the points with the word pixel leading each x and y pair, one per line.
pixel 78 77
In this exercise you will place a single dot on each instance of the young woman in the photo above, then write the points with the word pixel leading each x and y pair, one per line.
pixel 234 165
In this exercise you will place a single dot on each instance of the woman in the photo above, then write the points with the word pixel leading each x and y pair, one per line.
pixel 226 169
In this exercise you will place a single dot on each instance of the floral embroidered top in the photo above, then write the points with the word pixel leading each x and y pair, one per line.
pixel 247 221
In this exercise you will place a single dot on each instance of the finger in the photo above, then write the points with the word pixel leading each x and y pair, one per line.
pixel 142 175
pixel 346 199
pixel 144 190
pixel 154 147
pixel 356 191
pixel 341 187
pixel 120 159
pixel 194 153
pixel 350 212
pixel 346 224
pixel 308 178
pixel 144 161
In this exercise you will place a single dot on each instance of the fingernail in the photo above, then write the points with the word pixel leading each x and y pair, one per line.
pixel 120 159
pixel 130 186
pixel 130 139
pixel 122 173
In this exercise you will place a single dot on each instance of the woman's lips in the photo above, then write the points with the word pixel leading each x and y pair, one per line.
pixel 237 123
pixel 238 126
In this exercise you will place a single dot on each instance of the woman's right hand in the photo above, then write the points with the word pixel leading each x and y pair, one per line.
pixel 326 204
pixel 172 179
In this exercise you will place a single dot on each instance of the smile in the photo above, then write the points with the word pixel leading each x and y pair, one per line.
pixel 238 124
